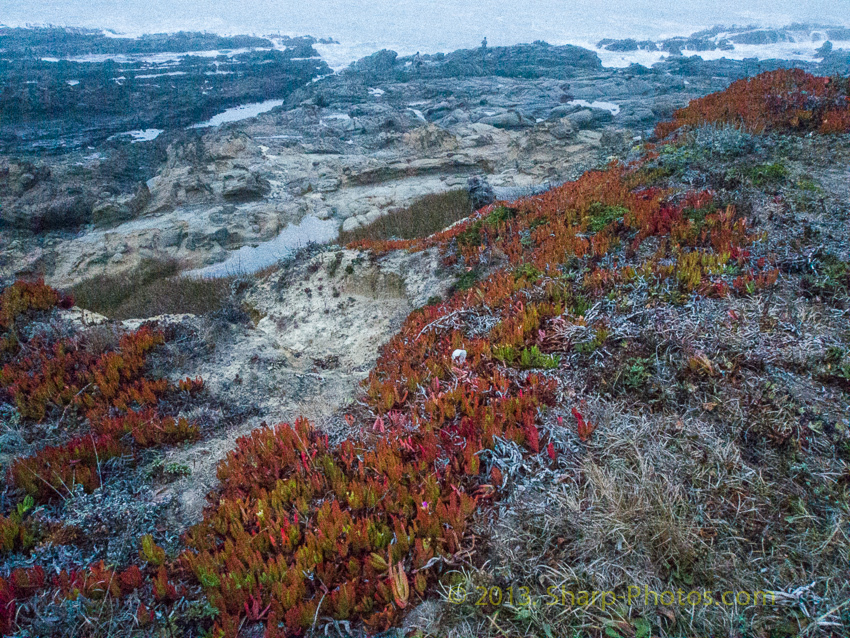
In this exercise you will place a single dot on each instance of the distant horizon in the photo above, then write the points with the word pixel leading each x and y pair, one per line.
pixel 345 48
pixel 110 32
pixel 426 25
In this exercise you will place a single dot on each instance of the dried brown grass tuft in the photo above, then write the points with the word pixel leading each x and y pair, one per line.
pixel 659 502
pixel 154 288
pixel 424 217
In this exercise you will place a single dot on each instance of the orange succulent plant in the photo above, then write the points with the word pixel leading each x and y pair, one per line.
pixel 300 528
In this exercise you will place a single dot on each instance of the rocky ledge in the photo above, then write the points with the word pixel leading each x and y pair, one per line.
pixel 342 151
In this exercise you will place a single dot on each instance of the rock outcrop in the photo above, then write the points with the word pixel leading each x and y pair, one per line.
pixel 480 192
pixel 348 148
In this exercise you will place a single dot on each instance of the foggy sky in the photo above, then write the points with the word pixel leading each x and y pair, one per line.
pixel 426 24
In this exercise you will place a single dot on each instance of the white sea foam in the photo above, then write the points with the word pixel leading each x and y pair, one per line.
pixel 250 259
pixel 608 106
pixel 622 59
pixel 159 75
pixel 152 58
pixel 140 135
pixel 805 48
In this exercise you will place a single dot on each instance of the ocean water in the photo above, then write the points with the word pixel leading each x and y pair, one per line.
pixel 238 113
pixel 429 26
pixel 250 259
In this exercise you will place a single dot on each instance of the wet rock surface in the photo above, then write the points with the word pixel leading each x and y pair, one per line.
pixel 347 148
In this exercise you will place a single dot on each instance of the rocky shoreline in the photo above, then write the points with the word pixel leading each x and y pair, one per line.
pixel 346 148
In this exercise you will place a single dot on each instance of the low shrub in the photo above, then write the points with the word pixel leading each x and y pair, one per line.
pixel 764 174
pixel 425 216
pixel 526 358
pixel 154 288
pixel 104 294
pixel 602 216
pixel 175 295
pixel 17 533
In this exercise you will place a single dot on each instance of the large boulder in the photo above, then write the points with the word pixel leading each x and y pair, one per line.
pixel 581 119
pixel 480 192
pixel 18 178
pixel 521 61
pixel 564 110
pixel 229 146
pixel 562 129
pixel 430 138
pixel 378 65
pixel 508 119
pixel 116 210
pixel 540 139
pixel 49 209
pixel 760 36
pixel 244 185
pixel 590 118
pixel 824 50
pixel 664 106
pixel 639 116
pixel 628 44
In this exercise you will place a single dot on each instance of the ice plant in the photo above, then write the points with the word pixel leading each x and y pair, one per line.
pixel 301 529
pixel 49 374
pixel 784 100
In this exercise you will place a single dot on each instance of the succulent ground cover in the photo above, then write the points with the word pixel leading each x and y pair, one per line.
pixel 653 394
pixel 782 100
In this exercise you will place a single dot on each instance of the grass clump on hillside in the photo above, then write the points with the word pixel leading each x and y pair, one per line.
pixel 527 358
pixel 467 280
pixel 471 236
pixel 153 288
pixel 765 174
pixel 601 216
pixel 425 216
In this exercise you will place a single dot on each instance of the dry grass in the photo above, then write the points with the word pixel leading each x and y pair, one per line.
pixel 154 288
pixel 424 217
pixel 732 476
pixel 661 503
pixel 734 481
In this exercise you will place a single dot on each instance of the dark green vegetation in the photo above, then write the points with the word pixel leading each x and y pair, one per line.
pixel 767 173
pixel 471 236
pixel 425 216
pixel 154 288
pixel 526 358
pixel 602 216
